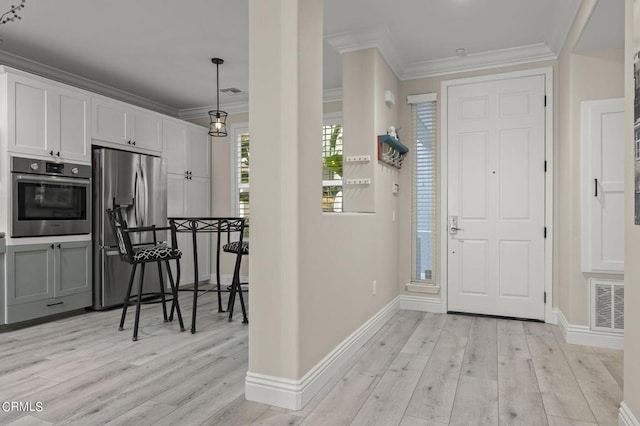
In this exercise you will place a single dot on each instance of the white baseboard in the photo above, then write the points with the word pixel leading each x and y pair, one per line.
pixel 554 316
pixel 295 394
pixel 626 417
pixel 583 335
pixel 422 304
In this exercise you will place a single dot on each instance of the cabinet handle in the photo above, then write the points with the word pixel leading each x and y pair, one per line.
pixel 134 142
pixel 129 142
pixel 595 186
pixel 51 153
pixel 52 246
pixel 58 246
pixel 54 304
pixel 58 153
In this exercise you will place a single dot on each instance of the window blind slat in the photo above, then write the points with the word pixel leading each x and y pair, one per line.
pixel 424 182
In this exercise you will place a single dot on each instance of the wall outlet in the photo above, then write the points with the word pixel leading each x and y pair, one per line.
pixel 374 287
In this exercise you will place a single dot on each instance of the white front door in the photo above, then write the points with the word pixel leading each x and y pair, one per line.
pixel 496 197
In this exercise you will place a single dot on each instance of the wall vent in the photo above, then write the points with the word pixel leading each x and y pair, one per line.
pixel 607 305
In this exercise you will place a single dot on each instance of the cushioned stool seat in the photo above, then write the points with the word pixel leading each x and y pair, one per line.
pixel 234 247
pixel 156 253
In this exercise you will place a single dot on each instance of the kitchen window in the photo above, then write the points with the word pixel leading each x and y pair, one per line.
pixel 332 164
pixel 423 111
pixel 240 191
pixel 331 169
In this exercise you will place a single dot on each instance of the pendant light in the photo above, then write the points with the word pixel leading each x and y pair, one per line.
pixel 217 118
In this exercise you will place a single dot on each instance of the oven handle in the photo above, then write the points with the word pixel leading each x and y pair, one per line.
pixel 83 182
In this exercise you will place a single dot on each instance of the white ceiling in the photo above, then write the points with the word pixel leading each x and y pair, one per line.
pixel 157 53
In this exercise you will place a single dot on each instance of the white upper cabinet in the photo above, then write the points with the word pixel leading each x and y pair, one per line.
pixel 186 149
pixel 47 119
pixel 120 123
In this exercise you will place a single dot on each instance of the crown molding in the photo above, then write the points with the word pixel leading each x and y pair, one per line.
pixel 378 37
pixel 203 112
pixel 479 61
pixel 65 77
pixel 564 14
pixel 329 95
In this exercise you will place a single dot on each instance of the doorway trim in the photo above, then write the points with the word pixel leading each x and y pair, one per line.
pixel 547 72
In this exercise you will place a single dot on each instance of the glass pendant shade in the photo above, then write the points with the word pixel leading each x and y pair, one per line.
pixel 217 123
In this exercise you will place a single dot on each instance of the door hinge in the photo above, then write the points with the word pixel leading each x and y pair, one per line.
pixel 545 297
pixel 545 100
pixel 545 166
pixel 545 232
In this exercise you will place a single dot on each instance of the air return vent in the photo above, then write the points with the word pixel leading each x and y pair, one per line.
pixel 607 305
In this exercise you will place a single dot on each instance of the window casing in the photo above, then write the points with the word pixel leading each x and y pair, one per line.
pixel 424 188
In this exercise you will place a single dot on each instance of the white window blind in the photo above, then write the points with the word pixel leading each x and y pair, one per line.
pixel 423 112
pixel 331 167
pixel 241 172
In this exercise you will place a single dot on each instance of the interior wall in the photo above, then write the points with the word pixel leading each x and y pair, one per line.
pixel 343 253
pixel 594 76
pixel 632 232
pixel 591 76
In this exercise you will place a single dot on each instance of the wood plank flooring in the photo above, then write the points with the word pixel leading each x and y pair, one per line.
pixel 419 369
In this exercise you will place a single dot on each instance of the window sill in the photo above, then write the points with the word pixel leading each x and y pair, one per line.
pixel 423 288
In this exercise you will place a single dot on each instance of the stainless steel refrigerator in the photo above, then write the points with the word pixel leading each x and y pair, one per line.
pixel 138 184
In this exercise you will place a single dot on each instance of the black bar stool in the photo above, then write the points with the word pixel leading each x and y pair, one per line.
pixel 141 254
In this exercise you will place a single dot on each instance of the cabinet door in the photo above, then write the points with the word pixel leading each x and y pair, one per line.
pixel 109 122
pixel 198 205
pixel 147 132
pixel 174 150
pixel 198 153
pixel 29 273
pixel 30 124
pixel 73 130
pixel 73 268
pixel 603 139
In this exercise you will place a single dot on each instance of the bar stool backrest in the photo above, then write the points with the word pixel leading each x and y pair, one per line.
pixel 119 227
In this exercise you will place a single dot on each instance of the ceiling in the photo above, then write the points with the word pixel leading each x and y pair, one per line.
pixel 157 53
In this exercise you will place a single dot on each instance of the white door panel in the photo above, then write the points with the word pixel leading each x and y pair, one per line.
pixel 496 189
pixel 603 133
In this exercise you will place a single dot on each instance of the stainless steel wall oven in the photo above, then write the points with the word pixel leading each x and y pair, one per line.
pixel 49 198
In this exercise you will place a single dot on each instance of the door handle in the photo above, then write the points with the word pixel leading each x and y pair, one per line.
pixel 453 225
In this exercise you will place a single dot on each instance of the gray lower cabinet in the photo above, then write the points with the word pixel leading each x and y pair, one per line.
pixel 46 279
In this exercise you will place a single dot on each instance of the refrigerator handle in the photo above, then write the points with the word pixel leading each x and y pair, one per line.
pixel 144 184
pixel 136 198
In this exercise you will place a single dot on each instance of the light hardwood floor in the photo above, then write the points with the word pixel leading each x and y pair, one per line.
pixel 419 369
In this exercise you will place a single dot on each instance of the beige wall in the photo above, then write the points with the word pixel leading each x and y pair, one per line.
pixel 632 237
pixel 312 273
pixel 591 76
pixel 344 253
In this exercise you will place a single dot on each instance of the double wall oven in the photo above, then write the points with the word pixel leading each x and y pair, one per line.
pixel 49 198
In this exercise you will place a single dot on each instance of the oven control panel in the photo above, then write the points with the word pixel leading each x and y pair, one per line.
pixel 50 168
